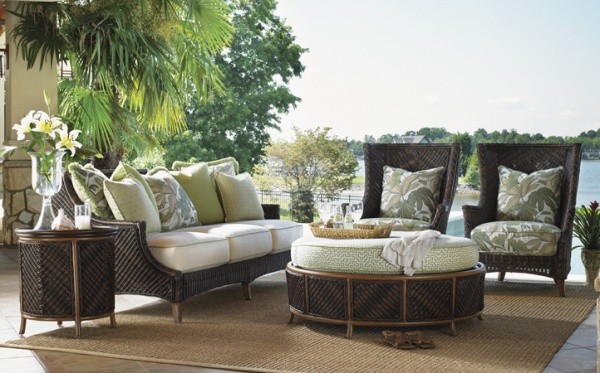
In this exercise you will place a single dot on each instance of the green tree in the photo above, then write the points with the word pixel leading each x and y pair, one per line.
pixel 315 161
pixel 433 133
pixel 472 176
pixel 257 68
pixel 134 63
pixel 465 149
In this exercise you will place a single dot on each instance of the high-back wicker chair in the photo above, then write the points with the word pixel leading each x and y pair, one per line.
pixel 411 157
pixel 527 158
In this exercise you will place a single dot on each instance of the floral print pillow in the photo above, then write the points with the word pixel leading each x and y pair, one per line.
pixel 533 197
pixel 88 183
pixel 175 209
pixel 410 195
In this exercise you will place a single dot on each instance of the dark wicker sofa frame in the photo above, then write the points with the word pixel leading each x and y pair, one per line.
pixel 138 272
pixel 411 157
pixel 527 158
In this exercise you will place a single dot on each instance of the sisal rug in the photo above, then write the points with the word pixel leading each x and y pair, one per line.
pixel 524 325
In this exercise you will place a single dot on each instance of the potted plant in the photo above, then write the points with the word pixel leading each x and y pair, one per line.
pixel 586 227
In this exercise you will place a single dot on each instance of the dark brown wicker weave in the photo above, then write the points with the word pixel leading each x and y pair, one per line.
pixel 527 158
pixel 411 157
pixel 138 272
pixel 385 300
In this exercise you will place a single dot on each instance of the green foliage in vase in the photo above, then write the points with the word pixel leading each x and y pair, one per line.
pixel 314 161
pixel 257 68
pixel 586 226
pixel 134 63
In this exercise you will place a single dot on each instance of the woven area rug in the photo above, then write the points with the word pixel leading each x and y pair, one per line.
pixel 524 325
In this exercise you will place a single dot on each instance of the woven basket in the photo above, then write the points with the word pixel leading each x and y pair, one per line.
pixel 361 231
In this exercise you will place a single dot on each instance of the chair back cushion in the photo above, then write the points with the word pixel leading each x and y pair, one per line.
pixel 410 195
pixel 517 238
pixel 529 197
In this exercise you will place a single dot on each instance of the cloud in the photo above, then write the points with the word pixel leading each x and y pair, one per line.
pixel 431 99
pixel 509 103
pixel 569 114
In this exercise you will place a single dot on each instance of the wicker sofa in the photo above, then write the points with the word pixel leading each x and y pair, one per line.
pixel 140 270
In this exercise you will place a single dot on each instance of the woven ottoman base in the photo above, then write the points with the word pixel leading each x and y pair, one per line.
pixel 385 300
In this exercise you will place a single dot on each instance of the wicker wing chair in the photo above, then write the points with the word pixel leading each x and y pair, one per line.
pixel 528 158
pixel 411 157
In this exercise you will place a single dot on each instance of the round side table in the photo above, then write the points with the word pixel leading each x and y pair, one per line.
pixel 67 275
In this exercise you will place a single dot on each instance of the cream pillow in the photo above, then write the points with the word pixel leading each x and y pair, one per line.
pixel 410 195
pixel 533 197
pixel 228 165
pixel 175 209
pixel 238 197
pixel 128 201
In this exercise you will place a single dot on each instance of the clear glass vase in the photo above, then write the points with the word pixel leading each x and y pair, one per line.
pixel 46 180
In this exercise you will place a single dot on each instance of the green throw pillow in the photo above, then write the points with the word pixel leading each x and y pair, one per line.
pixel 228 165
pixel 197 184
pixel 88 183
pixel 410 195
pixel 175 209
pixel 128 201
pixel 533 197
pixel 123 170
pixel 239 197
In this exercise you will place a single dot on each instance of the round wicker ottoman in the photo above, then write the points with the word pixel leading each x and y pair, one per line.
pixel 378 295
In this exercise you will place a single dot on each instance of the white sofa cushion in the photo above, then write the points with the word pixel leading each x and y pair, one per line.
pixel 188 251
pixel 283 232
pixel 245 241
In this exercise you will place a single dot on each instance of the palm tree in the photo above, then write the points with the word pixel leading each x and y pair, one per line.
pixel 135 64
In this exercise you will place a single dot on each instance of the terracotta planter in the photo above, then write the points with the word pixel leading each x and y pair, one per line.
pixel 591 262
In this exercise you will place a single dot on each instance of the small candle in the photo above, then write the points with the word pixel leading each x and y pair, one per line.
pixel 82 222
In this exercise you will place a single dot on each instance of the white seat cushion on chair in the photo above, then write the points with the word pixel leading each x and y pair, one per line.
pixel 188 251
pixel 283 232
pixel 517 237
pixel 245 241
pixel 400 224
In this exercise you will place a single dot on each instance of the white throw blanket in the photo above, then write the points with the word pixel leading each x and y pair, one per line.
pixel 409 250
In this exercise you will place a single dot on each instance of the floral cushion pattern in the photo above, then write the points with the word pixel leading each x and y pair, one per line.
pixel 410 195
pixel 533 197
pixel 400 224
pixel 88 183
pixel 175 209
pixel 517 237
pixel 228 166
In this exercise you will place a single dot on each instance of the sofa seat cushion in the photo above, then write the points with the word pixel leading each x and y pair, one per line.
pixel 245 241
pixel 283 232
pixel 448 254
pixel 188 251
pixel 400 224
pixel 517 237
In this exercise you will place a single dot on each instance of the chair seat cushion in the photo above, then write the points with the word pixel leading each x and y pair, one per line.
pixel 448 254
pixel 188 251
pixel 400 224
pixel 517 237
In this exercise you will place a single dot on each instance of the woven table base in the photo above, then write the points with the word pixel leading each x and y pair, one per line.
pixel 385 300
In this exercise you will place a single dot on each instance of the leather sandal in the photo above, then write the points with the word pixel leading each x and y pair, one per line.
pixel 398 340
pixel 419 340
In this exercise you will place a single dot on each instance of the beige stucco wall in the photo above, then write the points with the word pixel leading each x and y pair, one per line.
pixel 24 92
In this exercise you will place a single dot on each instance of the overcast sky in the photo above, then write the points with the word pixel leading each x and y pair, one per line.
pixel 389 66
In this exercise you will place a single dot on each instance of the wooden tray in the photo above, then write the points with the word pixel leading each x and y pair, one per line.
pixel 361 231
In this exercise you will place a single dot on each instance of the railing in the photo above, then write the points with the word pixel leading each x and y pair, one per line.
pixel 284 198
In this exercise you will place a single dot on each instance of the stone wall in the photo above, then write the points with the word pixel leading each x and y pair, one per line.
pixel 21 204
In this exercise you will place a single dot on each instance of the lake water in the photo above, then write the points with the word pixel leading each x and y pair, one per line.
pixel 588 191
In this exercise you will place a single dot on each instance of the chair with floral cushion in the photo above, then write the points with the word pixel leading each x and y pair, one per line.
pixel 411 185
pixel 524 220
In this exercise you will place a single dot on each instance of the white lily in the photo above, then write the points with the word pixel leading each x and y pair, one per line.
pixel 68 139
pixel 25 126
pixel 46 124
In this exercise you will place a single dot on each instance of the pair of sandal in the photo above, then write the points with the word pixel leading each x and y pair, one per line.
pixel 407 341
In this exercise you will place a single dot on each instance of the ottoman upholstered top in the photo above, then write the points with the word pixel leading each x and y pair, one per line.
pixel 448 254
